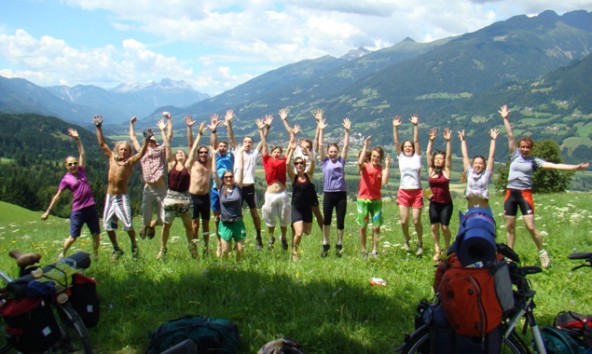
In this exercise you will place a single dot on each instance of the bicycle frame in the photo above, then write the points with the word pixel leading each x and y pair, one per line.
pixel 526 312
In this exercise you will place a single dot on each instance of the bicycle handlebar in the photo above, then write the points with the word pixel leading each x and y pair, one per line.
pixel 581 255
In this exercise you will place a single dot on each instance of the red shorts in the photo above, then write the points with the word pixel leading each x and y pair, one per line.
pixel 412 198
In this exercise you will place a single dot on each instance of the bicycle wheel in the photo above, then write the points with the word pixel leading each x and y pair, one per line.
pixel 75 338
pixel 419 342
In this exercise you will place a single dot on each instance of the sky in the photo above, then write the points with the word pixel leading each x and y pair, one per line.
pixel 216 45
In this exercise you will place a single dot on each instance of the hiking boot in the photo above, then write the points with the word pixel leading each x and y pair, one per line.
pixel 406 246
pixel 143 232
pixel 419 251
pixel 338 249
pixel 117 253
pixel 135 250
pixel 161 254
pixel 193 248
pixel 259 245
pixel 284 244
pixel 325 250
pixel 151 232
pixel 545 260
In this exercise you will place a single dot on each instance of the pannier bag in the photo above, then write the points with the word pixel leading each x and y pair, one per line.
pixel 84 299
pixel 30 324
pixel 580 324
pixel 211 335
pixel 561 341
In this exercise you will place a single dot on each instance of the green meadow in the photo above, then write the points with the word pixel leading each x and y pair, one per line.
pixel 326 304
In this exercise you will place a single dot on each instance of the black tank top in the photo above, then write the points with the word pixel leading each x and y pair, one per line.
pixel 303 192
pixel 179 180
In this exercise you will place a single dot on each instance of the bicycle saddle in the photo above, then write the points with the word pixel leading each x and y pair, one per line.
pixel 25 259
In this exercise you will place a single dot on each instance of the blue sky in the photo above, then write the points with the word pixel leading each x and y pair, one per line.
pixel 216 45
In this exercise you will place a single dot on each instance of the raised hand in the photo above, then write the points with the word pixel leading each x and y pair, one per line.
pixel 213 122
pixel 133 119
pixel 322 124
pixel 296 129
pixel 98 121
pixel 202 128
pixel 268 119
pixel 504 112
pixel 166 115
pixel 346 124
pixel 367 141
pixel 228 117
pixel 414 119
pixel 461 135
pixel 447 134
pixel 283 113
pixel 387 160
pixel 189 120
pixel 432 133
pixel 493 133
pixel 397 121
pixel 161 124
pixel 318 114
pixel 73 133
pixel 260 123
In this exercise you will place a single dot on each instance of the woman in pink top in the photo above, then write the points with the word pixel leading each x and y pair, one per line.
pixel 439 166
pixel 372 178
pixel 84 210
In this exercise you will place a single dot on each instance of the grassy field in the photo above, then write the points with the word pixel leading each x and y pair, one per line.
pixel 325 304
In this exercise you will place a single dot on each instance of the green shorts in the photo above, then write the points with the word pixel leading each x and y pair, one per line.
pixel 229 231
pixel 367 209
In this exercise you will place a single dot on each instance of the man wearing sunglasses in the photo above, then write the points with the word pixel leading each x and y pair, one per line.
pixel 84 210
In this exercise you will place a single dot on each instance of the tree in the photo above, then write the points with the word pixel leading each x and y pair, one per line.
pixel 543 181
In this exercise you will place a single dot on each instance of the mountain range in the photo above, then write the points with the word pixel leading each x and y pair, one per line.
pixel 79 103
pixel 539 65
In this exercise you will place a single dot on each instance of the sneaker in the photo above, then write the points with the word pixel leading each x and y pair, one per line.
pixel 143 232
pixel 117 253
pixel 135 250
pixel 259 245
pixel 270 243
pixel 61 255
pixel 161 254
pixel 374 254
pixel 325 250
pixel 545 260
pixel 193 248
pixel 151 232
pixel 406 246
pixel 339 250
pixel 284 244
pixel 419 251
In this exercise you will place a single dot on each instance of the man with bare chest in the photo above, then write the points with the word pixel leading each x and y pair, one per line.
pixel 117 203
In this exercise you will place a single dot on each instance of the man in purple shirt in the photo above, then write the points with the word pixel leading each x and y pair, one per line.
pixel 84 210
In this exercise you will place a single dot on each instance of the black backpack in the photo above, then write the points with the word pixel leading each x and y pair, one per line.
pixel 210 335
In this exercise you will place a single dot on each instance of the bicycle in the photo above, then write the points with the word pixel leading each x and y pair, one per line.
pixel 511 341
pixel 49 289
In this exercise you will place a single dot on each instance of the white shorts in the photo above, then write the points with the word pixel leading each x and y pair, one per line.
pixel 117 207
pixel 276 205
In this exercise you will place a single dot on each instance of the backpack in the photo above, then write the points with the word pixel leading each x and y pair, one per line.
pixel 474 299
pixel 211 335
pixel 561 341
pixel 581 325
pixel 84 299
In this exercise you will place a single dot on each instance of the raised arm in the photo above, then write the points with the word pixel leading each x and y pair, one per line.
pixel 283 113
pixel 98 121
pixel 464 150
pixel 217 179
pixel 321 125
pixel 189 122
pixel 261 126
pixel 169 131
pixel 346 126
pixel 228 124
pixel 81 153
pixel 214 122
pixel 385 171
pixel 311 164
pixel 565 167
pixel 132 134
pixel 397 142
pixel 448 164
pixel 432 136
pixel 415 121
pixel 162 125
pixel 289 153
pixel 362 157
pixel 493 134
pixel 238 178
pixel 201 130
pixel 505 113
pixel 318 116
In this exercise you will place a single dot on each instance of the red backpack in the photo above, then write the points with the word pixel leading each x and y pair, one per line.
pixel 474 299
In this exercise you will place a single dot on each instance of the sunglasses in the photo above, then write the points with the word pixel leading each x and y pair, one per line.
pixel 75 163
pixel 228 177
pixel 298 163
pixel 203 152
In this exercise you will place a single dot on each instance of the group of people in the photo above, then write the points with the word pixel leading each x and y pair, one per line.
pixel 218 179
